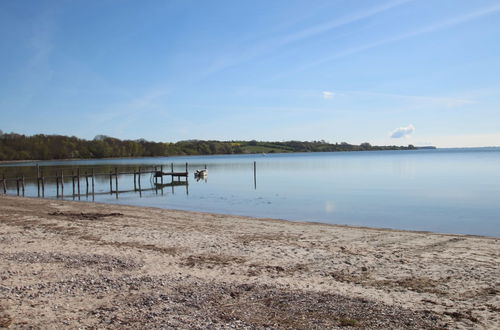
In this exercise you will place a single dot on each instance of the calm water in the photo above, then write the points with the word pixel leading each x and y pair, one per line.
pixel 444 190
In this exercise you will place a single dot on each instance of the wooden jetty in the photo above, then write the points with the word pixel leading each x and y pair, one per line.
pixel 88 176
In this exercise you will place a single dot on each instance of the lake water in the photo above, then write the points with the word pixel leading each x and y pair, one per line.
pixel 443 190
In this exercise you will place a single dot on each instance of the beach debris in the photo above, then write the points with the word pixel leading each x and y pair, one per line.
pixel 100 261
pixel 85 216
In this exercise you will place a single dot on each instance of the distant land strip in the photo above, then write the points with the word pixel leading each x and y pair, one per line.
pixel 46 147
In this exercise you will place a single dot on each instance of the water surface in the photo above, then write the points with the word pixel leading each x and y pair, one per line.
pixel 443 190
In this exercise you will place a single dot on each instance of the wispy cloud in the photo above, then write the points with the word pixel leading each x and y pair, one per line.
pixel 437 101
pixel 41 40
pixel 402 132
pixel 328 26
pixel 427 29
pixel 36 72
pixel 269 45
pixel 328 95
pixel 119 117
pixel 405 101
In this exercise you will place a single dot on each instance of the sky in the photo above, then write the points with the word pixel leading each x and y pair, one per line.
pixel 387 72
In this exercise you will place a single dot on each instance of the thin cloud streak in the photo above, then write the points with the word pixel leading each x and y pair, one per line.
pixel 428 29
pixel 451 102
pixel 275 43
pixel 325 27
pixel 36 72
pixel 123 115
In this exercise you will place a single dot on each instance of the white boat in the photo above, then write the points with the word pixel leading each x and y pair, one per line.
pixel 201 173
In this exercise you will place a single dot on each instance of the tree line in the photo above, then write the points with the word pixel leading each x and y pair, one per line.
pixel 45 147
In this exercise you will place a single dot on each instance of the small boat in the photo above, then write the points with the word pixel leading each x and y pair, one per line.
pixel 201 173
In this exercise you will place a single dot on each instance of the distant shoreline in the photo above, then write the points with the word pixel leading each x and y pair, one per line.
pixel 15 146
pixel 76 159
pixel 207 155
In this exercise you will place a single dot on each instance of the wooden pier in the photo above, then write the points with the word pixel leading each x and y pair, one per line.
pixel 88 177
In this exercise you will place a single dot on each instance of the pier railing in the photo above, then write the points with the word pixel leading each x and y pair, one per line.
pixel 87 178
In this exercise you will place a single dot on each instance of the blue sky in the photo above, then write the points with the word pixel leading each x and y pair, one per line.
pixel 385 72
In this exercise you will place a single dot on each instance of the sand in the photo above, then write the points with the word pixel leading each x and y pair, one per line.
pixel 87 265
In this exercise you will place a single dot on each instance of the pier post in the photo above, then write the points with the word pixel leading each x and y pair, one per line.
pixel 73 182
pixel 135 180
pixel 62 183
pixel 22 178
pixel 161 178
pixel 116 181
pixel 43 182
pixel 156 179
pixel 86 183
pixel 17 186
pixel 161 170
pixel 93 191
pixel 110 182
pixel 38 179
pixel 255 175
pixel 4 184
pixel 57 185
pixel 78 178
pixel 139 182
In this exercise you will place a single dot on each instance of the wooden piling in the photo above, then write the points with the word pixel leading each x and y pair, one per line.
pixel 116 181
pixel 42 179
pixel 73 182
pixel 17 186
pixel 156 180
pixel 255 175
pixel 139 182
pixel 135 181
pixel 110 182
pixel 161 170
pixel 78 178
pixel 93 191
pixel 57 184
pixel 22 178
pixel 4 184
pixel 172 167
pixel 38 179
pixel 86 183
pixel 62 183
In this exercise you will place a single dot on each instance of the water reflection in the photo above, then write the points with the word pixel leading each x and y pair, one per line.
pixel 437 190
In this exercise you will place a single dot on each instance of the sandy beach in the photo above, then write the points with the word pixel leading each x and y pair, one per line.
pixel 88 265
